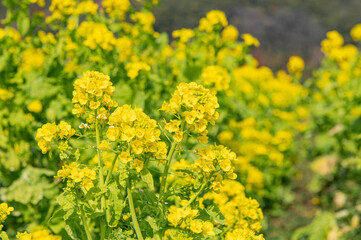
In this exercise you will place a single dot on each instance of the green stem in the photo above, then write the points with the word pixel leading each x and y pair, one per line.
pixel 111 170
pixel 101 176
pixel 87 231
pixel 195 195
pixel 107 212
pixel 132 211
pixel 166 169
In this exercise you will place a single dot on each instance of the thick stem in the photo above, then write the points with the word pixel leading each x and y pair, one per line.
pixel 195 195
pixel 101 176
pixel 132 211
pixel 87 231
pixel 165 172
pixel 107 212
pixel 111 170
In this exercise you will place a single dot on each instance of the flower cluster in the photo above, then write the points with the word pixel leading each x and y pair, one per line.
pixel 5 94
pixel 215 161
pixel 214 19
pixel 11 33
pixel 242 214
pixel 196 105
pixel 186 219
pixel 139 131
pixel 230 33
pixel 145 20
pixel 93 92
pixel 133 68
pixel 96 34
pixel 32 58
pixel 183 34
pixel 4 212
pixel 216 77
pixel 295 65
pixel 76 176
pixel 37 235
pixel 117 8
pixel 249 40
pixel 356 32
pixel 50 132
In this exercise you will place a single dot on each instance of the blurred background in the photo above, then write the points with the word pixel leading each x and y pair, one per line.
pixel 284 27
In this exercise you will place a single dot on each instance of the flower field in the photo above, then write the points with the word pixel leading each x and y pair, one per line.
pixel 111 130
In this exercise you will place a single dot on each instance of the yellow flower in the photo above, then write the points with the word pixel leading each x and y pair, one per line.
pixel 172 126
pixel 183 34
pixel 4 211
pixel 133 68
pixel 32 58
pixel 96 35
pixel 207 229
pixel 196 226
pixel 230 33
pixel 138 165
pixel 104 145
pixel 35 106
pixel 356 32
pixel 125 157
pixel 295 65
pixel 249 40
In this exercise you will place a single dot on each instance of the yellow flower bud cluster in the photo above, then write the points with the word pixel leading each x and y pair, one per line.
pixel 216 163
pixel 295 65
pixel 116 8
pixel 133 68
pixel 37 235
pixel 93 91
pixel 241 213
pixel 186 219
pixel 5 94
pixel 139 130
pixel 215 77
pixel 197 105
pixel 96 34
pixel 4 212
pixel 50 132
pixel 213 19
pixel 76 176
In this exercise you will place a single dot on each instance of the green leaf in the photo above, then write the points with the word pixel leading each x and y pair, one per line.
pixel 115 203
pixel 147 178
pixel 215 213
pixel 4 236
pixel 23 22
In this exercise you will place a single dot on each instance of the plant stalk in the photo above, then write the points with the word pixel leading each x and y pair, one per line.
pixel 165 172
pixel 195 195
pixel 132 211
pixel 101 176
